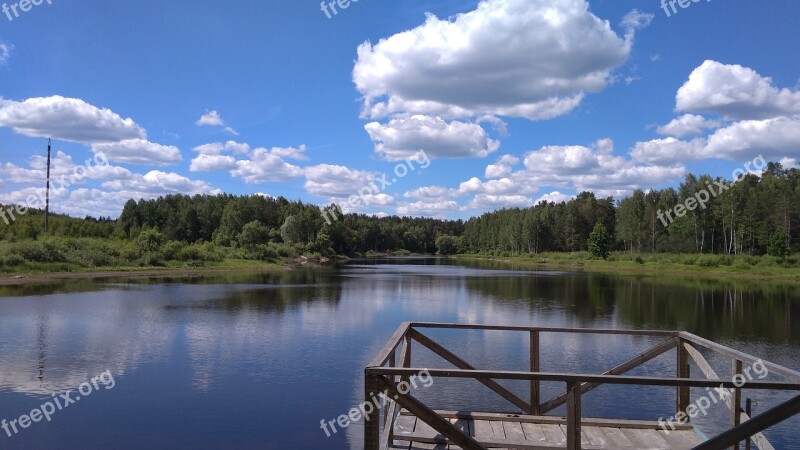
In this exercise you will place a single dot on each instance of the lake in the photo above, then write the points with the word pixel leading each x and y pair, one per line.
pixel 258 360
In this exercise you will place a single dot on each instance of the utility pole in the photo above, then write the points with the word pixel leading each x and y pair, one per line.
pixel 47 195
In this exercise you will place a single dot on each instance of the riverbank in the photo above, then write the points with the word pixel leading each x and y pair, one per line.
pixel 719 266
pixel 42 275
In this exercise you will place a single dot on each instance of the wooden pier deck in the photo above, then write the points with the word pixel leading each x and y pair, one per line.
pixel 506 431
pixel 403 421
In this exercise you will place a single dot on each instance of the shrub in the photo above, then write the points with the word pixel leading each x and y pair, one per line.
pixel 639 260
pixel 778 245
pixel 600 242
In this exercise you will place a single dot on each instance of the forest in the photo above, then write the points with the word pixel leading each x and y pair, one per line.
pixel 755 216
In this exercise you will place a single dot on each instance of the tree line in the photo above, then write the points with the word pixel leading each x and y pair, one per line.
pixel 752 215
pixel 755 216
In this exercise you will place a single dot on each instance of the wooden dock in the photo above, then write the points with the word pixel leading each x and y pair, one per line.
pixel 506 431
pixel 405 422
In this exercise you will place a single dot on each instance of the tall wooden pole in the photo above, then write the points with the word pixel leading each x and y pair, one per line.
pixel 47 195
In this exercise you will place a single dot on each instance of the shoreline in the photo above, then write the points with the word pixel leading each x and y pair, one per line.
pixel 625 268
pixel 571 265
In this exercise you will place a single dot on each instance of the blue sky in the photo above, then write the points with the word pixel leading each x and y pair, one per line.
pixel 512 101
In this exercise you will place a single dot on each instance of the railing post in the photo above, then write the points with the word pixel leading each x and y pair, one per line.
pixel 372 422
pixel 535 368
pixel 573 416
pixel 736 399
pixel 405 358
pixel 683 372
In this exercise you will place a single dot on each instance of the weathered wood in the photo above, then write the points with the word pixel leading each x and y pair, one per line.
pixel 445 430
pixel 601 423
pixel 573 416
pixel 372 425
pixel 589 378
pixel 773 368
pixel 533 432
pixel 427 415
pixel 384 355
pixel 454 359
pixel 757 424
pixel 643 358
pixel 683 372
pixel 736 400
pixel 459 326
pixel 759 439
pixel 535 348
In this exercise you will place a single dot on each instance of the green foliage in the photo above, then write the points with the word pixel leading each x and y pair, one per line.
pixel 600 242
pixel 151 241
pixel 253 234
pixel 448 245
pixel 778 245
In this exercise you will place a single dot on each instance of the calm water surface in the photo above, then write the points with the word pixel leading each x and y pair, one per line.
pixel 257 361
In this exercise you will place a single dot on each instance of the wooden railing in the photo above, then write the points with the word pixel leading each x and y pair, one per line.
pixel 394 365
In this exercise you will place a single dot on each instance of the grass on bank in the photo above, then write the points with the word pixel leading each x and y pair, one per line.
pixel 766 266
pixel 57 254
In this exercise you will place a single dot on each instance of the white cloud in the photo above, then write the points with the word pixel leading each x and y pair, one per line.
pixel 688 125
pixel 264 167
pixel 735 91
pixel 554 197
pixel 742 141
pixel 428 208
pixel 403 138
pixel 668 151
pixel 63 170
pixel 212 163
pixel 502 168
pixel 327 180
pixel 635 21
pixel 430 193
pixel 516 58
pixel 157 182
pixel 230 130
pixel 210 119
pixel 298 153
pixel 139 151
pixel 5 52
pixel 214 148
pixel 67 119
pixel 491 202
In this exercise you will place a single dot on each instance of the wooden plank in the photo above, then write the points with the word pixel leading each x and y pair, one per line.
pixel 461 364
pixel 498 430
pixel 613 423
pixel 554 435
pixel 646 439
pixel 482 429
pixel 615 438
pixel 425 429
pixel 534 433
pixel 619 370
pixel 514 431
pixel 681 439
pixel 595 436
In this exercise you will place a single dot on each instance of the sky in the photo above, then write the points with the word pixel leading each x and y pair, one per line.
pixel 437 108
